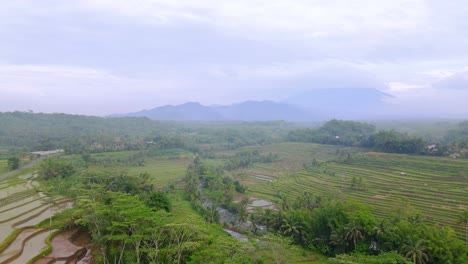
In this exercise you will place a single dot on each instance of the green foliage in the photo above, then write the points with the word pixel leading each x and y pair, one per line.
pixel 384 258
pixel 335 132
pixel 224 251
pixel 13 163
pixel 458 135
pixel 394 142
pixel 335 227
pixel 349 133
pixel 159 201
pixel 415 251
pixel 55 168
pixel 247 158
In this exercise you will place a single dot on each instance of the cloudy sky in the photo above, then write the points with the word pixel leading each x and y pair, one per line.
pixel 112 56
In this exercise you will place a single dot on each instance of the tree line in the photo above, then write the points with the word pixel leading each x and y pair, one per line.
pixel 351 133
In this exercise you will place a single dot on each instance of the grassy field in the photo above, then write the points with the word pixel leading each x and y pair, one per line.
pixel 162 170
pixel 3 166
pixel 436 187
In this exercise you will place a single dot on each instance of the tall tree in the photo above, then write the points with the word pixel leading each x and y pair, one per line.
pixel 463 221
pixel 13 163
pixel 415 252
pixel 353 233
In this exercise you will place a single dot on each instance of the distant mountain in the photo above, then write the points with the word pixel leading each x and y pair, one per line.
pixel 344 103
pixel 191 111
pixel 314 105
pixel 245 111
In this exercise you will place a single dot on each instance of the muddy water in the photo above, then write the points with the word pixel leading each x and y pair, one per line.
pixel 13 189
pixel 32 248
pixel 5 231
pixel 19 210
pixel 69 247
pixel 17 245
pixel 46 214
pixel 19 203
pixel 62 248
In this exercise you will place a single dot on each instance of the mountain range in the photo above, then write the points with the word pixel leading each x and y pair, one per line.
pixel 316 105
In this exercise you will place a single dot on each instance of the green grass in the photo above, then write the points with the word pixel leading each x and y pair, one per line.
pixel 3 166
pixel 434 186
pixel 163 171
pixel 113 155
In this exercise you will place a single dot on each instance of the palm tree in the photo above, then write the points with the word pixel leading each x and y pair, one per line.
pixel 353 233
pixel 338 239
pixel 463 221
pixel 415 252
pixel 380 230
pixel 291 227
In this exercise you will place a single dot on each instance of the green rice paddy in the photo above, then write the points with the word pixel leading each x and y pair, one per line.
pixel 436 187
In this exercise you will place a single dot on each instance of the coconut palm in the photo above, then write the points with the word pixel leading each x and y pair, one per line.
pixel 338 240
pixel 290 227
pixel 415 252
pixel 463 221
pixel 380 230
pixel 353 233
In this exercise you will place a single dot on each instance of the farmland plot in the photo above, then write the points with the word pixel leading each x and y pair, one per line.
pixel 434 186
pixel 22 206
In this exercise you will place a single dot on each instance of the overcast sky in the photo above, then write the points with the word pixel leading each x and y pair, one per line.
pixel 113 56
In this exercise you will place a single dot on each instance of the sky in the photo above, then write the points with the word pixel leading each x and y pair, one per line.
pixel 98 57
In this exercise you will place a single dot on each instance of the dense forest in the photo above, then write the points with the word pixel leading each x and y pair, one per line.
pixel 77 134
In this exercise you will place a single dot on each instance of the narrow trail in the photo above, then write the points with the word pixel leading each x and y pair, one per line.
pixel 26 166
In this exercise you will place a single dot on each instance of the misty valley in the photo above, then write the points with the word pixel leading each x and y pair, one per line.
pixel 84 189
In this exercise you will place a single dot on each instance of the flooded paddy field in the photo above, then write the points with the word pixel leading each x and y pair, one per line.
pixel 22 207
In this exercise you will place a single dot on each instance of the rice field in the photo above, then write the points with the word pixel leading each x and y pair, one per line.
pixel 22 207
pixel 436 187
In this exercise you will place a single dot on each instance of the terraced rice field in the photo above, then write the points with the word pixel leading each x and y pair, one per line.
pixel 22 206
pixel 434 186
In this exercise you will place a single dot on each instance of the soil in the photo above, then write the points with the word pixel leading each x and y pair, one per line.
pixel 69 247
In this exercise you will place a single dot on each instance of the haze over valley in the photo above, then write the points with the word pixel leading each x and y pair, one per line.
pixel 225 132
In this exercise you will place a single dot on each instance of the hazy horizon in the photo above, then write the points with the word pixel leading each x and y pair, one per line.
pixel 100 57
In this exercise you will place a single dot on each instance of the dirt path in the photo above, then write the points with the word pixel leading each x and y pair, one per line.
pixel 29 165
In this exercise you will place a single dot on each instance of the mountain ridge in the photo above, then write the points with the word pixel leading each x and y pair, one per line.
pixel 313 105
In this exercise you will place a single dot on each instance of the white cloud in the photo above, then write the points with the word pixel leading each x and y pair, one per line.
pixel 52 88
pixel 304 18
pixel 455 81
pixel 243 49
pixel 312 18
